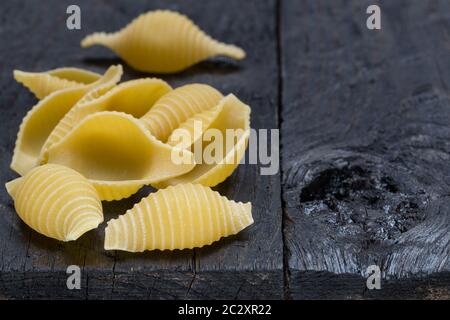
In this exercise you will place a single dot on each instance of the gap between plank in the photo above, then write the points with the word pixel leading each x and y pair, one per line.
pixel 279 47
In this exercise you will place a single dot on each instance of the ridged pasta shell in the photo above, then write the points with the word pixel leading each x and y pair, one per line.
pixel 162 41
pixel 40 121
pixel 234 115
pixel 117 154
pixel 57 202
pixel 44 83
pixel 134 97
pixel 174 108
pixel 189 131
pixel 179 217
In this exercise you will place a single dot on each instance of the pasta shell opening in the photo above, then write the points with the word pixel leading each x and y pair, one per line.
pixel 75 74
pixel 232 126
pixel 122 159
pixel 44 117
pixel 134 97
pixel 190 131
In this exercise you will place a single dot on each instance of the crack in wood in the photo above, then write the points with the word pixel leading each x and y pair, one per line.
pixel 278 17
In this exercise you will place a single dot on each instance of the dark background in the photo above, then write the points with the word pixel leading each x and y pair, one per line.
pixel 364 118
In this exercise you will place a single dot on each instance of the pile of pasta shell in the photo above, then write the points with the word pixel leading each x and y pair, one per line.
pixel 90 138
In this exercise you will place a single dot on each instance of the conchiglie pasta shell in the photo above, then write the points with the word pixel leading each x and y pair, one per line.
pixel 117 154
pixel 174 108
pixel 179 217
pixel 162 41
pixel 134 97
pixel 57 202
pixel 40 121
pixel 44 83
pixel 234 115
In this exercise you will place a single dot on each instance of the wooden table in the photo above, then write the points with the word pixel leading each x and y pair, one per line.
pixel 365 153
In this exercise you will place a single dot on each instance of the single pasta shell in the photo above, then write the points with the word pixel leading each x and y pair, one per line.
pixel 134 97
pixel 40 121
pixel 174 108
pixel 57 202
pixel 117 154
pixel 162 41
pixel 185 216
pixel 234 115
pixel 44 83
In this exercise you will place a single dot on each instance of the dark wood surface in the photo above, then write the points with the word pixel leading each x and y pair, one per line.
pixel 364 118
pixel 365 140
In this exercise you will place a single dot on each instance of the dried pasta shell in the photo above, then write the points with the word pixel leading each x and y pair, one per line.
pixel 179 217
pixel 117 154
pixel 134 97
pixel 44 83
pixel 57 202
pixel 40 121
pixel 234 115
pixel 162 41
pixel 174 108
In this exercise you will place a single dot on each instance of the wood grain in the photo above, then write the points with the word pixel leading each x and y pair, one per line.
pixel 365 131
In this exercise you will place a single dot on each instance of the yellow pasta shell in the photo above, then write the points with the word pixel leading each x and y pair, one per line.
pixel 40 121
pixel 174 108
pixel 57 202
pixel 117 154
pixel 162 41
pixel 234 115
pixel 44 83
pixel 134 97
pixel 179 217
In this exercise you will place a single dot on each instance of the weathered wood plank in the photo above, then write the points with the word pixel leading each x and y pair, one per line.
pixel 365 131
pixel 246 266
